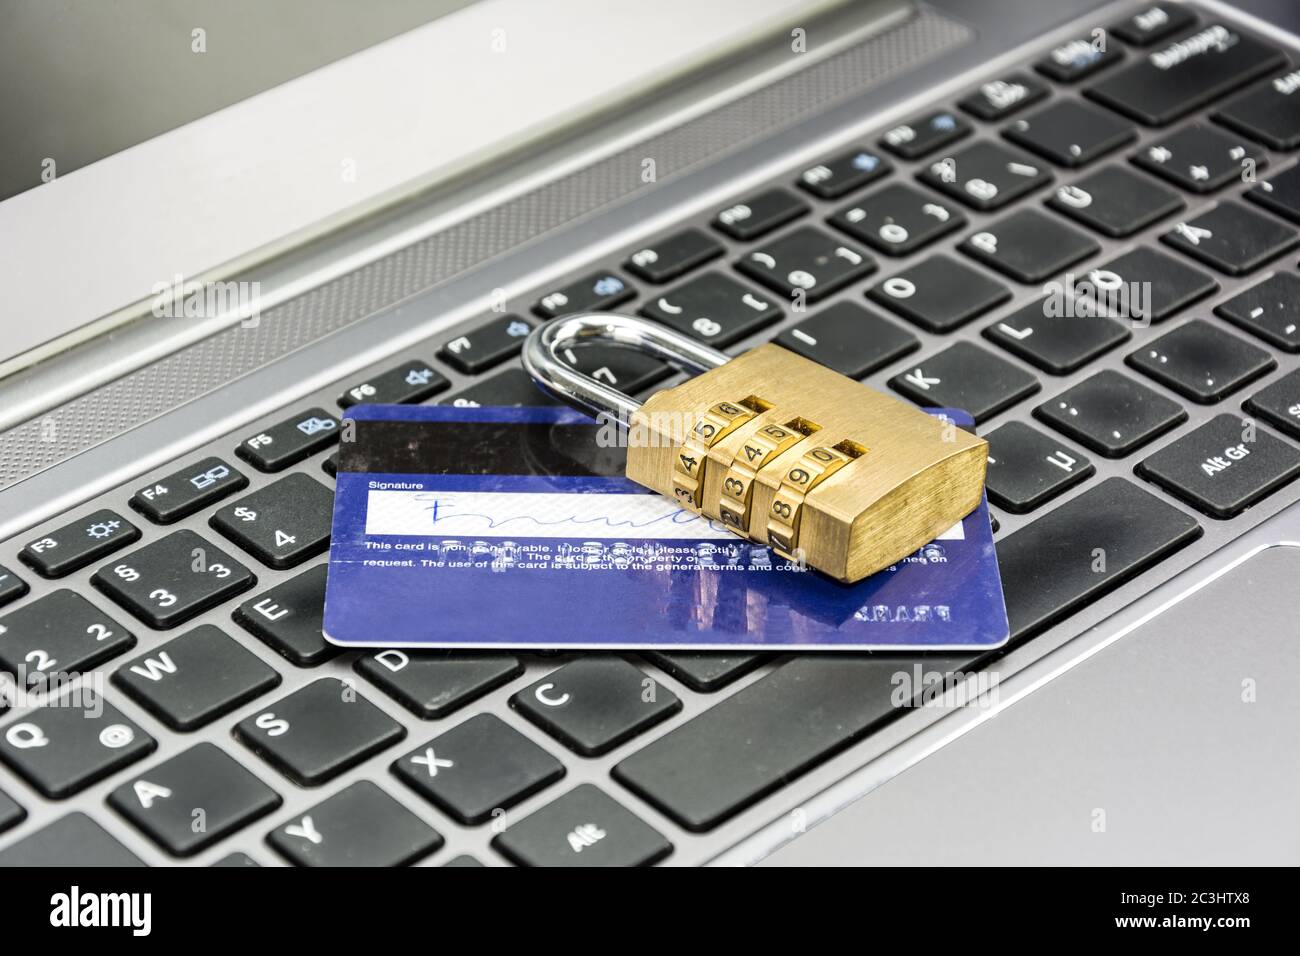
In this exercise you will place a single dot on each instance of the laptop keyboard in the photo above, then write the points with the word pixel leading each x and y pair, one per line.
pixel 194 597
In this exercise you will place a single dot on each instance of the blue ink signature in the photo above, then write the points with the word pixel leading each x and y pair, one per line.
pixel 680 516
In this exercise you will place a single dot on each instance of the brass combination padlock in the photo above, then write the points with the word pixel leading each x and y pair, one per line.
pixel 781 450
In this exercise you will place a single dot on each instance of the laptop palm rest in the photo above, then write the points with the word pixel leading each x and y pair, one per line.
pixel 1175 745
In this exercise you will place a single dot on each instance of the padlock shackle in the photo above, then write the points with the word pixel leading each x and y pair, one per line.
pixel 542 350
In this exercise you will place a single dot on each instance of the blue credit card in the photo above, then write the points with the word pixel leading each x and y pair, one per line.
pixel 515 528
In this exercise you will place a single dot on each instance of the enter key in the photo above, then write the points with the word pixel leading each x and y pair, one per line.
pixel 1223 467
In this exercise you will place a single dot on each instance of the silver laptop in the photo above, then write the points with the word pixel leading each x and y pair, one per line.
pixel 223 224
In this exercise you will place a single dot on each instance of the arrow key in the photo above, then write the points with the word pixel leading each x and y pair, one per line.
pixel 968 377
pixel 166 801
pixel 477 768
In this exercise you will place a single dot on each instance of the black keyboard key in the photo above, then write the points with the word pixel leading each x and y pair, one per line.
pixel 283 524
pixel 806 263
pixel 925 134
pixel 173 579
pixel 1279 403
pixel 187 491
pixel 673 256
pixel 1070 133
pixel 627 370
pixel 702 670
pixel 1057 335
pixel 1269 113
pixel 77 544
pixel 1233 238
pixel 939 293
pixel 413 382
pixel 1185 74
pixel 1029 245
pixel 1270 310
pixel 290 441
pixel 60 633
pixel 433 684
pixel 844 173
pixel 987 175
pixel 593 704
pixel 10 813
pixel 1079 58
pixel 464 860
pixel 898 219
pixel 74 840
pixel 165 801
pixel 766 735
pixel 511 387
pixel 478 768
pixel 12 587
pixel 1146 285
pixel 1111 414
pixel 1223 467
pixel 60 749
pixel 713 308
pixel 1279 194
pixel 331 465
pixel 319 731
pixel 237 860
pixel 999 98
pixel 193 679
pixel 968 377
pixel 359 826
pixel 1202 361
pixel 1027 468
pixel 1152 24
pixel 582 828
pixel 1085 548
pixel 288 618
pixel 488 345
pixel 849 339
pixel 597 292
pixel 1200 159
pixel 1115 201
pixel 760 214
